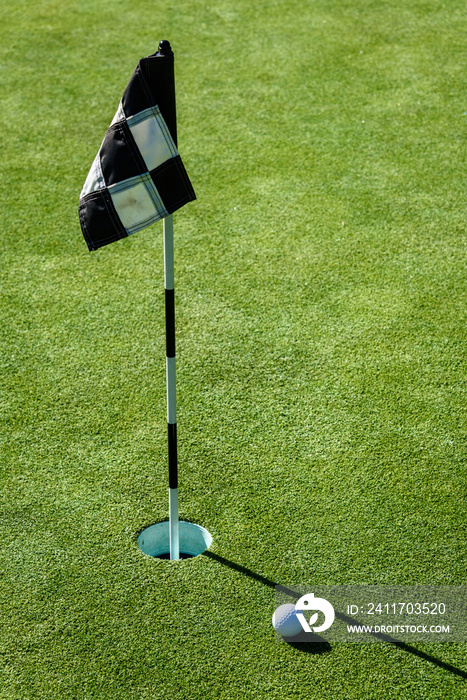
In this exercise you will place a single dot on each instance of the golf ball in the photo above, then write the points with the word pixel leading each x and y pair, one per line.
pixel 285 620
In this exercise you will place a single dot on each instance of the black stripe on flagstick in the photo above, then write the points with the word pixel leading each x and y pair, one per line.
pixel 173 472
pixel 170 322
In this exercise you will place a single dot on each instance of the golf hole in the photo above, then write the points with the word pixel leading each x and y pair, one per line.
pixel 154 540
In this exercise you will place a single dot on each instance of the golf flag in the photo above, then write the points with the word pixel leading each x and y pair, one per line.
pixel 137 176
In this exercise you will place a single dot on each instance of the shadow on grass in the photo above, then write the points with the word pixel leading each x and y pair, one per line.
pixel 319 647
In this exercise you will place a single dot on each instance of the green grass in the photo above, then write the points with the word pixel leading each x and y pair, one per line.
pixel 321 347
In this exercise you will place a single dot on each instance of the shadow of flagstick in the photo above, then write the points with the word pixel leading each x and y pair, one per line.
pixel 318 646
pixel 325 646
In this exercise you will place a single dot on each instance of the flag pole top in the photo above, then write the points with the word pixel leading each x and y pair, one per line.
pixel 164 48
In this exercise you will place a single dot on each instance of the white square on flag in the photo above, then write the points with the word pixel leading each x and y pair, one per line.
pixel 153 140
pixel 137 202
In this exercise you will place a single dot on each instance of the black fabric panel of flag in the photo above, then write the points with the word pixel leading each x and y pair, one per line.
pixel 157 77
pixel 97 213
pixel 172 183
pixel 120 156
pixel 137 95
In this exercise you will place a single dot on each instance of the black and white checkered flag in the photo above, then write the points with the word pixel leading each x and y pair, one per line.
pixel 137 177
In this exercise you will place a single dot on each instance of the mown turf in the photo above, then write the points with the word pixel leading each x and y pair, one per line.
pixel 321 333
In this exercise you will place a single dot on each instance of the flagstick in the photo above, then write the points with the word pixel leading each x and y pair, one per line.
pixel 171 390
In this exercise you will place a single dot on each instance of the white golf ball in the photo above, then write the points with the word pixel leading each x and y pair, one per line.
pixel 285 620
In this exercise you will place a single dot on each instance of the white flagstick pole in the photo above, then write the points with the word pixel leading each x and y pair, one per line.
pixel 171 390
